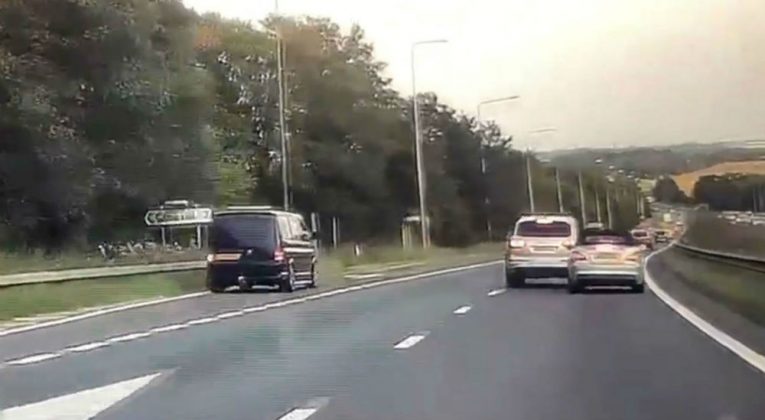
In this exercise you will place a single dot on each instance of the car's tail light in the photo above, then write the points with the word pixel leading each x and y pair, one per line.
pixel 222 257
pixel 578 256
pixel 517 243
pixel 279 255
pixel 632 257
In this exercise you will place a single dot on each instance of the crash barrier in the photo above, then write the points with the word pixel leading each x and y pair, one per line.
pixel 736 260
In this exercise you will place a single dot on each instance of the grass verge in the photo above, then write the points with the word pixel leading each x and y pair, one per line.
pixel 740 290
pixel 37 299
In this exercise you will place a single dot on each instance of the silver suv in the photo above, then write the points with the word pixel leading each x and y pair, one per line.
pixel 539 247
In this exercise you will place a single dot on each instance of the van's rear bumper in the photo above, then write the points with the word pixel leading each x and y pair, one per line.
pixel 262 273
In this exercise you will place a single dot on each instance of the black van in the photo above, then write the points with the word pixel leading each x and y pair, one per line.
pixel 255 246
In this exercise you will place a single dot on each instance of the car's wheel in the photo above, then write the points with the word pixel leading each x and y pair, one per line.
pixel 287 284
pixel 514 280
pixel 214 284
pixel 638 288
pixel 573 286
pixel 314 277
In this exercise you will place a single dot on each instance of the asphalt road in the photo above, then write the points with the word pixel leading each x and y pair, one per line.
pixel 393 352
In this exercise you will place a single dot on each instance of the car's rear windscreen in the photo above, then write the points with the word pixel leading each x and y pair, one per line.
pixel 640 234
pixel 243 231
pixel 535 229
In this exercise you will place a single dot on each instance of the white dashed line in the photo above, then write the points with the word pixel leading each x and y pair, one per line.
pixel 168 328
pixel 409 342
pixel 497 292
pixel 129 337
pixel 228 315
pixel 201 321
pixel 462 310
pixel 37 358
pixel 299 414
pixel 86 347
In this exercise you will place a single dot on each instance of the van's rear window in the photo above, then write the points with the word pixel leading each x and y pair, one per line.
pixel 243 231
pixel 543 230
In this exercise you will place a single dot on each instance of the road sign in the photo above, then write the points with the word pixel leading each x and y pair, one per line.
pixel 178 217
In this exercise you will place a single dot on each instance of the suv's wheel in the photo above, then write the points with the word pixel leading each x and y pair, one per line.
pixel 514 280
pixel 214 285
pixel 573 287
pixel 287 284
pixel 638 288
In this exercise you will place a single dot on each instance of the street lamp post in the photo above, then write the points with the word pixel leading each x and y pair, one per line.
pixel 419 162
pixel 483 158
pixel 559 193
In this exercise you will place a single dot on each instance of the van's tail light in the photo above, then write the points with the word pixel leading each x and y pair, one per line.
pixel 279 255
pixel 578 256
pixel 517 243
pixel 211 258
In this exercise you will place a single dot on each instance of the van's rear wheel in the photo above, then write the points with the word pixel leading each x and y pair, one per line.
pixel 214 285
pixel 287 284
pixel 314 277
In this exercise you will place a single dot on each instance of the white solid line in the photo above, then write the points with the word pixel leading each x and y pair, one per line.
pixel 86 347
pixel 168 328
pixel 100 312
pixel 462 310
pixel 85 404
pixel 299 414
pixel 201 321
pixel 33 359
pixel 409 342
pixel 228 315
pixel 129 337
pixel 496 292
pixel 755 359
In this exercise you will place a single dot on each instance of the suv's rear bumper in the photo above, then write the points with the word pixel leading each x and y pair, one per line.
pixel 538 268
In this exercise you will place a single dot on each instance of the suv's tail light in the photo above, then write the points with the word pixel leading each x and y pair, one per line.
pixel 517 243
pixel 568 244
pixel 632 257
pixel 211 258
pixel 578 256
pixel 279 255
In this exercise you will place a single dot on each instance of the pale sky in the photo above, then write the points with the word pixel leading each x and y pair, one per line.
pixel 603 72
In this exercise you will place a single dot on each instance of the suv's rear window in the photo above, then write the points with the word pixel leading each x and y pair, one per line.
pixel 639 233
pixel 243 231
pixel 533 228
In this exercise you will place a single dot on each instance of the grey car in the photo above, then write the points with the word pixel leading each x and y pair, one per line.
pixel 606 259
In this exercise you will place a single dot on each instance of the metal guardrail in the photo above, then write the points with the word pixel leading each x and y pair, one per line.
pixel 21 279
pixel 742 261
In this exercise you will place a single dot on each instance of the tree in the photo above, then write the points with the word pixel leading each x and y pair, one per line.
pixel 667 191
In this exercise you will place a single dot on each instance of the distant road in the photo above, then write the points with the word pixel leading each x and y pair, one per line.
pixel 451 347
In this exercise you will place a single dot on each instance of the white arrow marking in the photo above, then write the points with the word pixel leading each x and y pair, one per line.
pixel 462 310
pixel 81 405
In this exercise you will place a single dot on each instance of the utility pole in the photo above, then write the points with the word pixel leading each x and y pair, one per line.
pixel 597 205
pixel 582 202
pixel 530 183
pixel 282 123
pixel 420 163
pixel 608 208
pixel 560 193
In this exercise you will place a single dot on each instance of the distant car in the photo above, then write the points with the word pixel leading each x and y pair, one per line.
pixel 606 258
pixel 661 236
pixel 252 246
pixel 539 246
pixel 643 237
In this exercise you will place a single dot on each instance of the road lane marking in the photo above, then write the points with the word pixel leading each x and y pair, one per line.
pixel 37 358
pixel 228 315
pixel 86 347
pixel 129 337
pixel 168 328
pixel 496 292
pixel 100 312
pixel 299 414
pixel 750 356
pixel 260 308
pixel 409 342
pixel 79 405
pixel 462 310
pixel 201 321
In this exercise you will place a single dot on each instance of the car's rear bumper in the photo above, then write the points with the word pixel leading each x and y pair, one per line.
pixel 538 268
pixel 603 275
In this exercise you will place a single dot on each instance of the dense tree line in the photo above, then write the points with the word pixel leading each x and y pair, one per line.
pixel 731 192
pixel 110 107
